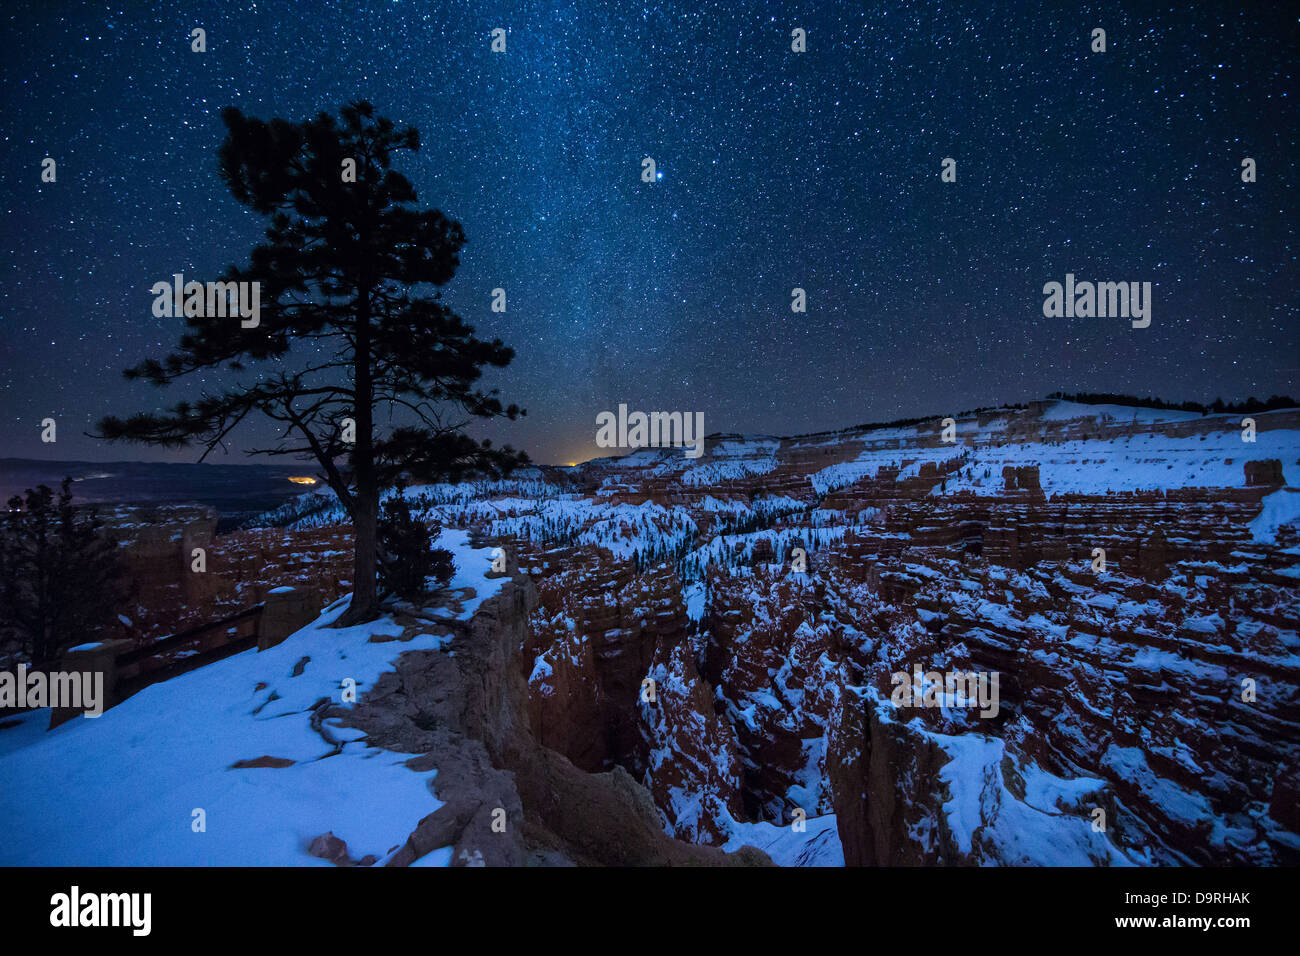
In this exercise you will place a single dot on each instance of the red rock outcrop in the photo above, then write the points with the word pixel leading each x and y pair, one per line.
pixel 1266 472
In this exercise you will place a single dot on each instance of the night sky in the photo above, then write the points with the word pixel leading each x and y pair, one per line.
pixel 818 170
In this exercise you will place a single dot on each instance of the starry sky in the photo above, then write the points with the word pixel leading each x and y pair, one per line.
pixel 818 170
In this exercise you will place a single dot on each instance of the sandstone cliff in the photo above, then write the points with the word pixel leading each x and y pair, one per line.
pixel 466 714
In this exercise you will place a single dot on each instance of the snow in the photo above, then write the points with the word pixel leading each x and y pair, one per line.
pixel 1052 826
pixel 122 790
pixel 695 596
pixel 1064 411
pixel 439 857
pixel 1130 763
pixel 1108 461
pixel 541 671
pixel 818 844
pixel 1280 508
pixel 834 477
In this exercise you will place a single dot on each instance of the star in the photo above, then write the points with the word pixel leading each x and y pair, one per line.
pixel 818 170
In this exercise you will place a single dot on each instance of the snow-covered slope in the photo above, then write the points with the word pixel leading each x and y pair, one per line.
pixel 123 789
pixel 768 591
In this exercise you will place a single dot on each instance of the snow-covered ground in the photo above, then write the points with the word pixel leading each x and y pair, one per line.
pixel 1138 462
pixel 1103 461
pixel 123 789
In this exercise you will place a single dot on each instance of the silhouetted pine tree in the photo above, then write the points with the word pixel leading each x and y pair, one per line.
pixel 60 574
pixel 343 276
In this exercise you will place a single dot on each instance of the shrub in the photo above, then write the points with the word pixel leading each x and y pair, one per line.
pixel 407 558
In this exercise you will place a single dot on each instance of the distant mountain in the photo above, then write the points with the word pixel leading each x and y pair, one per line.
pixel 235 491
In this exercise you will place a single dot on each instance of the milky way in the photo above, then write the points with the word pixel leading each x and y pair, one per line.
pixel 817 170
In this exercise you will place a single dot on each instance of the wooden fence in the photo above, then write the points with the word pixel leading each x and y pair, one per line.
pixel 129 670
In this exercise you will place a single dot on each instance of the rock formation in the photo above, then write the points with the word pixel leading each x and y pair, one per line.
pixel 661 673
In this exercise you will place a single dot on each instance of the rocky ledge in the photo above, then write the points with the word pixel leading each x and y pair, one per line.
pixel 508 800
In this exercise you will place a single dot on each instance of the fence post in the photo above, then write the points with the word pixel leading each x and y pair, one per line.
pixel 90 659
pixel 284 611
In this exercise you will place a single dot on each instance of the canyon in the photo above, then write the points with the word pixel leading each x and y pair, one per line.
pixel 1149 713
pixel 690 661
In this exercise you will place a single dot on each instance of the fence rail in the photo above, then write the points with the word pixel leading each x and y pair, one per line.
pixel 181 638
pixel 129 671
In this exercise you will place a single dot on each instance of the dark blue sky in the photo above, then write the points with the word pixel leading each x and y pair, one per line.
pixel 818 170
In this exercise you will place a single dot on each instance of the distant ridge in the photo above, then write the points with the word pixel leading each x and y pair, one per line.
pixel 235 491
pixel 1217 407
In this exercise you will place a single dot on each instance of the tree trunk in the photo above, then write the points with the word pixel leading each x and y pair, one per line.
pixel 365 535
pixel 365 520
